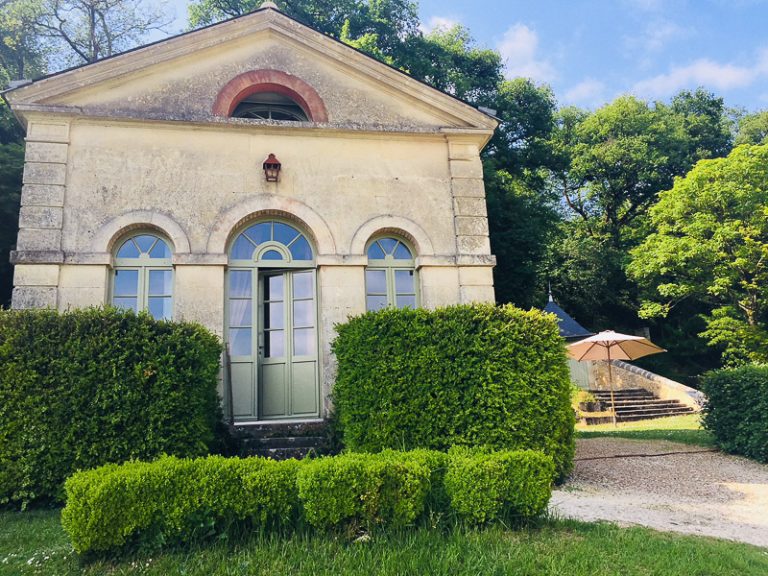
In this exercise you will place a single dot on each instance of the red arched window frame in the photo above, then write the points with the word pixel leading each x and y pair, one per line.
pixel 256 81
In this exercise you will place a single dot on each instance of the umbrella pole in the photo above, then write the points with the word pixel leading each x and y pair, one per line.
pixel 610 384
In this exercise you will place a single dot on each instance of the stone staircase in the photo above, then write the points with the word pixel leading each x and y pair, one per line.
pixel 283 440
pixel 631 404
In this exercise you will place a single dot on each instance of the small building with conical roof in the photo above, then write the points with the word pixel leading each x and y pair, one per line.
pixel 571 330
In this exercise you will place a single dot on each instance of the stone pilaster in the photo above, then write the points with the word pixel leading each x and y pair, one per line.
pixel 38 251
pixel 473 246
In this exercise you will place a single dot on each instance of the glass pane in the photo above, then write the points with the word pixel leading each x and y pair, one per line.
pixel 274 344
pixel 126 282
pixel 128 303
pixel 300 250
pixel 273 315
pixel 388 244
pixel 160 250
pixel 260 232
pixel 145 242
pixel 284 234
pixel 240 284
pixel 302 285
pixel 404 281
pixel 240 342
pixel 242 249
pixel 304 342
pixel 375 252
pixel 160 308
pixel 406 301
pixel 376 281
pixel 402 252
pixel 273 287
pixel 160 283
pixel 128 250
pixel 240 313
pixel 303 313
pixel 271 255
pixel 375 302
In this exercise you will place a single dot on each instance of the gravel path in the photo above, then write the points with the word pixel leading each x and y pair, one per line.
pixel 708 493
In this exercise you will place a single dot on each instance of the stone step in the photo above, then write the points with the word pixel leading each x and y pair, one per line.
pixel 592 420
pixel 646 416
pixel 286 442
pixel 622 394
pixel 280 429
pixel 647 404
pixel 651 408
pixel 283 453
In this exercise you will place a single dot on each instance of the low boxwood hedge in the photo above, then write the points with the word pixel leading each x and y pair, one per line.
pixel 737 409
pixel 466 375
pixel 88 387
pixel 175 500
pixel 486 486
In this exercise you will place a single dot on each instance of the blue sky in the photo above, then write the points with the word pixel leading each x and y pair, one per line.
pixel 589 52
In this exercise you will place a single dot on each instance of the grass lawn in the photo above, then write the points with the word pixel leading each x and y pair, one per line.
pixel 34 543
pixel 684 429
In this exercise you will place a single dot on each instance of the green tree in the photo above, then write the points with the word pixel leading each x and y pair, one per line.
pixel 522 211
pixel 22 51
pixel 753 129
pixel 709 244
pixel 87 30
pixel 389 21
pixel 610 166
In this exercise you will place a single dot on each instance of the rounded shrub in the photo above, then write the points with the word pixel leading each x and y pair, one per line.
pixel 483 486
pixel 736 411
pixel 462 375
pixel 363 489
pixel 89 387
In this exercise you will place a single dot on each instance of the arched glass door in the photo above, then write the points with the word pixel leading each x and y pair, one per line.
pixel 272 324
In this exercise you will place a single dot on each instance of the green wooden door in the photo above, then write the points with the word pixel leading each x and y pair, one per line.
pixel 276 324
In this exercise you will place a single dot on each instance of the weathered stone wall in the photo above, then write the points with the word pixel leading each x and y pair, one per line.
pixel 36 276
pixel 198 185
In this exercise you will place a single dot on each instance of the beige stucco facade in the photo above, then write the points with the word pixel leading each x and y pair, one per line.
pixel 134 143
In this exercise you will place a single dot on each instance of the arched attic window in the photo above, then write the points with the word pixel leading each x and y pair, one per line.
pixel 270 95
pixel 270 106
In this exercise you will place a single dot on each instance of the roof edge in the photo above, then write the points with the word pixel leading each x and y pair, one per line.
pixel 481 118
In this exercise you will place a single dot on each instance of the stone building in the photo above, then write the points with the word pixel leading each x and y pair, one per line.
pixel 145 187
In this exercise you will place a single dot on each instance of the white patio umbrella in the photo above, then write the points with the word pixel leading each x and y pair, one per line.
pixel 609 345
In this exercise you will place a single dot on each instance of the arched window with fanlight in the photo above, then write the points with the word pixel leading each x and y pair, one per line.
pixel 271 326
pixel 143 275
pixel 390 278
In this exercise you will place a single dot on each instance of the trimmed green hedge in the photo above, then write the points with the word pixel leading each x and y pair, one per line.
pixel 176 500
pixel 88 387
pixel 462 375
pixel 487 486
pixel 173 500
pixel 737 410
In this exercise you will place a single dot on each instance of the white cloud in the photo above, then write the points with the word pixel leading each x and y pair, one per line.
pixel 702 72
pixel 587 92
pixel 659 33
pixel 518 49
pixel 439 23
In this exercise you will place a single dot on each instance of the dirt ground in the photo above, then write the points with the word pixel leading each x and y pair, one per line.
pixel 704 493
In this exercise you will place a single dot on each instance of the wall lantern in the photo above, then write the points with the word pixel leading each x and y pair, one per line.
pixel 272 168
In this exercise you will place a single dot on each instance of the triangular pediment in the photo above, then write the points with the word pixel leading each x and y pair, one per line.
pixel 180 78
